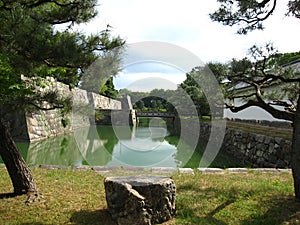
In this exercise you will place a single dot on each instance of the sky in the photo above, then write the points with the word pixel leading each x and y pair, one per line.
pixel 186 24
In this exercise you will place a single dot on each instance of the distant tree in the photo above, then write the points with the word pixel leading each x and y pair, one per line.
pixel 124 91
pixel 31 46
pixel 192 87
pixel 157 100
pixel 139 105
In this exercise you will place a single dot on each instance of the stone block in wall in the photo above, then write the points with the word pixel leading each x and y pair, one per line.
pixel 259 138
pixel 278 140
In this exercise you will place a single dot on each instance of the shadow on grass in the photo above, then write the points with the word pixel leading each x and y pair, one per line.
pixel 189 215
pixel 282 210
pixel 32 223
pixel 9 195
pixel 275 210
pixel 186 210
pixel 99 217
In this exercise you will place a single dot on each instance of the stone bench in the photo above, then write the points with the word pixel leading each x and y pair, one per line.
pixel 140 200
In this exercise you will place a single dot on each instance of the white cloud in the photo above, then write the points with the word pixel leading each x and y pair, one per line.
pixel 148 81
pixel 187 24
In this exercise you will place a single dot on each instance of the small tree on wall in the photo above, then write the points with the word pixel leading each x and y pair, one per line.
pixel 31 46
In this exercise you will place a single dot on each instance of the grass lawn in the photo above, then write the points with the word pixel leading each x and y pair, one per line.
pixel 260 129
pixel 78 197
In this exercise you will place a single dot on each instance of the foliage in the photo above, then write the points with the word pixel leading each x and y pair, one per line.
pixel 284 59
pixel 266 72
pixel 32 48
pixel 30 45
pixel 192 88
pixel 98 77
pixel 249 15
pixel 256 79
pixel 108 89
pixel 187 96
pixel 156 100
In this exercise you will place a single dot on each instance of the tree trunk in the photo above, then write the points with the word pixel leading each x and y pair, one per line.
pixel 296 150
pixel 18 170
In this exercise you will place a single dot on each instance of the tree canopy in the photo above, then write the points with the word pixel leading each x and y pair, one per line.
pixel 191 86
pixel 249 15
pixel 108 89
pixel 174 101
pixel 31 45
pixel 267 80
pixel 157 100
pixel 257 79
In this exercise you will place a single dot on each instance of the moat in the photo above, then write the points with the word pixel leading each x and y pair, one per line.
pixel 150 144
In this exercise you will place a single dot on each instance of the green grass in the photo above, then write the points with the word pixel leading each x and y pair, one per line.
pixel 78 198
pixel 262 130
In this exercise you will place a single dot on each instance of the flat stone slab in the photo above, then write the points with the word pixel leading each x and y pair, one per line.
pixel 285 170
pixel 81 168
pixel 186 171
pixel 164 170
pixel 266 170
pixel 140 200
pixel 105 168
pixel 237 170
pixel 53 167
pixel 133 169
pixel 211 170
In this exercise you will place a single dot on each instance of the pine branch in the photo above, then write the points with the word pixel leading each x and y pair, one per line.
pixel 274 112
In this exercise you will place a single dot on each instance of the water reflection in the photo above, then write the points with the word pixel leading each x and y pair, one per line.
pixel 107 145
pixel 147 148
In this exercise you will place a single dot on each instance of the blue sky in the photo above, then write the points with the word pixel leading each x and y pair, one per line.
pixel 187 24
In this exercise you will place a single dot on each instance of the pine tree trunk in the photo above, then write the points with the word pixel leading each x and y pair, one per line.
pixel 18 170
pixel 296 150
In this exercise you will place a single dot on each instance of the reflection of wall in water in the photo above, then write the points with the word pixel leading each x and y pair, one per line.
pixel 84 147
pixel 92 146
pixel 61 150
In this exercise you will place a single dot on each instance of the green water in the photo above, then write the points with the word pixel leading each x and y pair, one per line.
pixel 148 145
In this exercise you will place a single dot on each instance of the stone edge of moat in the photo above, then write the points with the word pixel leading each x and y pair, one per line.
pixel 162 170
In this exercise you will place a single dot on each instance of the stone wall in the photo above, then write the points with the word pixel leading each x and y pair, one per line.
pixel 42 124
pixel 45 124
pixel 256 150
pixel 102 102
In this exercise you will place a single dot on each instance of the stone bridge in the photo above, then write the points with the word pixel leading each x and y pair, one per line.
pixel 155 114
